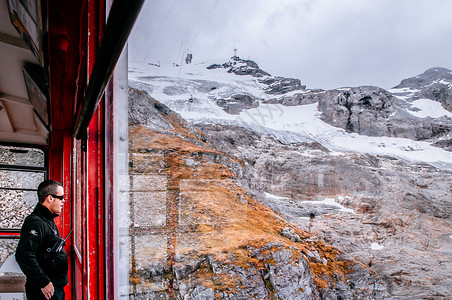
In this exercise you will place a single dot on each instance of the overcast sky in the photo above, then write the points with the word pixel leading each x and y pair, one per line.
pixel 325 43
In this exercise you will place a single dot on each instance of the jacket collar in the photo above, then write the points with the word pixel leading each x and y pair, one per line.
pixel 43 211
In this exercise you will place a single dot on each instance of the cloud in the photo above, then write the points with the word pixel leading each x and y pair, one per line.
pixel 325 43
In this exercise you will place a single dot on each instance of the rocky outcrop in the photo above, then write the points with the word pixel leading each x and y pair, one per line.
pixel 273 272
pixel 271 85
pixel 374 111
pixel 275 85
pixel 308 97
pixel 370 111
pixel 240 66
pixel 358 109
pixel 237 103
pixel 280 85
pixel 435 84
pixel 438 91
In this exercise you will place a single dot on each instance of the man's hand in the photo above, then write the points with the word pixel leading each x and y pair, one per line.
pixel 48 291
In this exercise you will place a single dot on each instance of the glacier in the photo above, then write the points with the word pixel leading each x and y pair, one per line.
pixel 192 91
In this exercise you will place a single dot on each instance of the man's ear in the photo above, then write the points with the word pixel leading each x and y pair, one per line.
pixel 48 199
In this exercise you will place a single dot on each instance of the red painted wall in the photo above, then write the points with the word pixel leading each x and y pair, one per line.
pixel 74 32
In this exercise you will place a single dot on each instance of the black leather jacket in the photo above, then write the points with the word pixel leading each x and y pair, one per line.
pixel 38 234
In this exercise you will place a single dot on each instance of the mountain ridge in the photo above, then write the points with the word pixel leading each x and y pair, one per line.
pixel 428 77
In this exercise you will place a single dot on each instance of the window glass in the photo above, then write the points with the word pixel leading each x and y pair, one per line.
pixel 269 137
pixel 15 206
pixel 20 180
pixel 20 156
pixel 21 171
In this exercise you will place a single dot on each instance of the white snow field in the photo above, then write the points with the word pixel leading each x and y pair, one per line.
pixel 192 91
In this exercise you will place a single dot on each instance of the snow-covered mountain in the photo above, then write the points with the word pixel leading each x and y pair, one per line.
pixel 364 169
pixel 434 84
pixel 239 93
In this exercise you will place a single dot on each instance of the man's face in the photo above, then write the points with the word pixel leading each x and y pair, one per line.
pixel 56 206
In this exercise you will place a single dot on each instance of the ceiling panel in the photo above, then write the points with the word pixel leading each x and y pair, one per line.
pixel 17 118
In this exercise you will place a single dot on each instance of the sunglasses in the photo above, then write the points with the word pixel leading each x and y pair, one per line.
pixel 59 197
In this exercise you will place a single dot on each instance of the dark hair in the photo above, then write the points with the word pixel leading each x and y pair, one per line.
pixel 47 187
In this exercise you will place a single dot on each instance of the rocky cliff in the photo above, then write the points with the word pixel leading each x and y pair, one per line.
pixel 397 220
pixel 373 111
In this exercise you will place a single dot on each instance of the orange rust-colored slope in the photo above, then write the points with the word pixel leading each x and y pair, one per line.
pixel 225 217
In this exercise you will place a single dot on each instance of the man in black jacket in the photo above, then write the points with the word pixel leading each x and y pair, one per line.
pixel 46 271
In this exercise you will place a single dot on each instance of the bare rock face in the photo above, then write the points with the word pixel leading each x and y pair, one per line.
pixel 280 85
pixel 374 111
pixel 280 276
pixel 237 103
pixel 358 109
pixel 308 97
pixel 145 110
pixel 392 215
pixel 365 226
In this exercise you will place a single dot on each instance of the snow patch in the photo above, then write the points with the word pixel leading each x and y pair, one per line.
pixel 332 202
pixel 376 246
pixel 403 90
pixel 442 81
pixel 429 108
pixel 268 195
